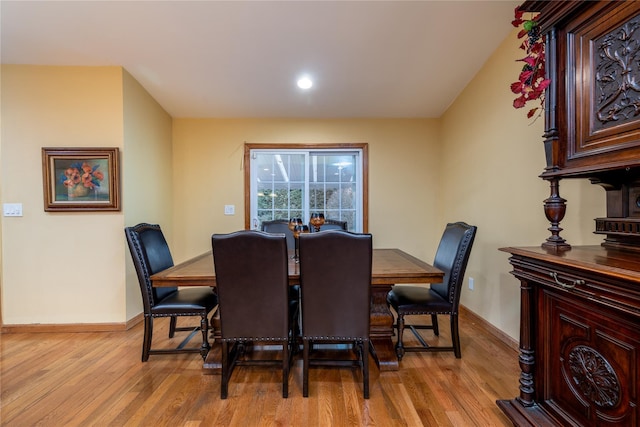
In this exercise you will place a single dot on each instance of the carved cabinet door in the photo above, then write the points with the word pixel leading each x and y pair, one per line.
pixel 593 362
pixel 602 83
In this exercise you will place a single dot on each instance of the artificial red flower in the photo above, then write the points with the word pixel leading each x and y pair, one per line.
pixel 529 60
pixel 516 87
pixel 531 84
pixel 519 101
pixel 538 49
pixel 544 84
pixel 517 13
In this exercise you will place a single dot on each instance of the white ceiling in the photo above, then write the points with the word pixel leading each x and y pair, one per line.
pixel 242 58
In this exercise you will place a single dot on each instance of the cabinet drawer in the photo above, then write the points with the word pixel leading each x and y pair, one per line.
pixel 600 288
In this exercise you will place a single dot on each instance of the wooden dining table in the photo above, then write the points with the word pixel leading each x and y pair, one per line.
pixel 389 267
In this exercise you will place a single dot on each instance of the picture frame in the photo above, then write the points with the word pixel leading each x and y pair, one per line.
pixel 81 179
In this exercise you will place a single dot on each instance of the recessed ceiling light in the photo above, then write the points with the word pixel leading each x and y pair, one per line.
pixel 305 83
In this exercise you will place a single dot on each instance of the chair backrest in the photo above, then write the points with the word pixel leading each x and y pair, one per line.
pixel 252 280
pixel 452 257
pixel 280 226
pixel 335 281
pixel 150 254
pixel 331 224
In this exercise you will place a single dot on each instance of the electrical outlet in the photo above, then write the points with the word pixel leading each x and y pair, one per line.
pixel 12 209
pixel 229 209
pixel 470 283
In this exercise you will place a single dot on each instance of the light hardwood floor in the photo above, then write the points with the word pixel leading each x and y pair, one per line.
pixel 97 379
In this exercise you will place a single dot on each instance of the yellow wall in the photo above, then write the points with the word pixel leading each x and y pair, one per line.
pixel 403 175
pixel 492 156
pixel 60 267
pixel 146 174
pixel 478 163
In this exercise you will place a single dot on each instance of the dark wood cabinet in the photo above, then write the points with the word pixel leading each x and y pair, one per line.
pixel 579 337
pixel 580 305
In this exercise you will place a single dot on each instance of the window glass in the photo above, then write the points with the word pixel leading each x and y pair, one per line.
pixel 280 184
pixel 287 183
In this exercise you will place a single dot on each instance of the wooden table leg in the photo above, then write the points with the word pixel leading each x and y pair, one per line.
pixel 381 329
pixel 213 361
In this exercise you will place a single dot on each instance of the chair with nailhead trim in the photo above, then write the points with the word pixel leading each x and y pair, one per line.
pixel 252 279
pixel 335 283
pixel 150 254
pixel 443 298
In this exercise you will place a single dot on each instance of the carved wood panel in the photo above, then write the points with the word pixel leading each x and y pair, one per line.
pixel 593 361
pixel 617 76
pixel 603 47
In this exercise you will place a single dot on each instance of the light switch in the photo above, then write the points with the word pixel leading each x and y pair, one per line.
pixel 229 209
pixel 12 209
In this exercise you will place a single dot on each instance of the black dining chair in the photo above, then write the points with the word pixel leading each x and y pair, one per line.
pixel 335 283
pixel 331 224
pixel 252 276
pixel 150 254
pixel 443 298
pixel 280 226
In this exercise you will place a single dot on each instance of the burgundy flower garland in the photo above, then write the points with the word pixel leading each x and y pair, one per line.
pixel 531 83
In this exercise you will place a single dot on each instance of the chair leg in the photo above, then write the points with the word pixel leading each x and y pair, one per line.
pixel 285 369
pixel 455 336
pixel 305 368
pixel 225 374
pixel 148 334
pixel 172 326
pixel 204 327
pixel 364 354
pixel 399 345
pixel 434 323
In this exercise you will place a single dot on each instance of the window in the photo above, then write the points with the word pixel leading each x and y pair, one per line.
pixel 293 180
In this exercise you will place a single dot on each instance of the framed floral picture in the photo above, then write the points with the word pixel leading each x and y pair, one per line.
pixel 81 179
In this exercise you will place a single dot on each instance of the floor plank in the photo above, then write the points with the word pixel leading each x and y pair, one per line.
pixel 97 379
